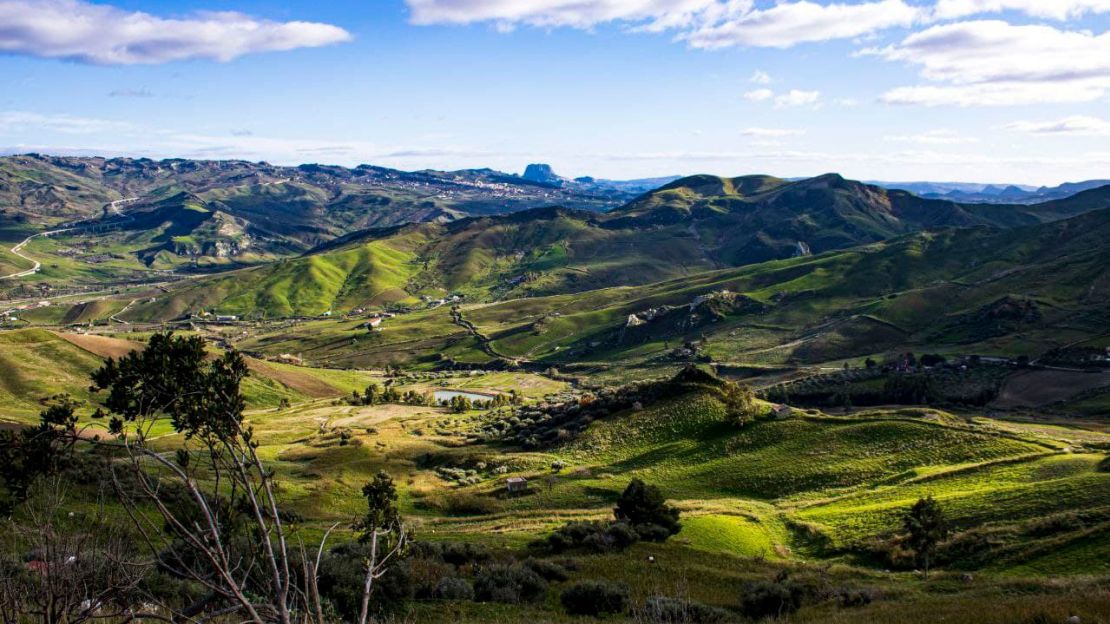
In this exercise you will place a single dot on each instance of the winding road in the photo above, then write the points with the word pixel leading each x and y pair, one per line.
pixel 18 249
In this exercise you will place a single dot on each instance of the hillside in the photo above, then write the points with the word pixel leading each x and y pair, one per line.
pixel 209 215
pixel 1020 291
pixel 688 227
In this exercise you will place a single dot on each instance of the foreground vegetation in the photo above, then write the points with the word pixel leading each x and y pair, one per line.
pixel 801 516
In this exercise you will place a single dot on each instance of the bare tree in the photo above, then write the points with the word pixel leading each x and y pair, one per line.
pixel 209 510
pixel 206 510
pixel 77 566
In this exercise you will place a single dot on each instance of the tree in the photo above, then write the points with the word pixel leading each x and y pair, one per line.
pixel 927 526
pixel 32 452
pixel 382 529
pixel 372 394
pixel 739 400
pixel 643 507
pixel 460 404
pixel 82 567
pixel 381 506
pixel 210 511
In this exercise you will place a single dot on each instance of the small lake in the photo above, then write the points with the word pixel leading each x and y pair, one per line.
pixel 447 395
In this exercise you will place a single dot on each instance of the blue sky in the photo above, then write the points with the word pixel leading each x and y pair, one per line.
pixel 952 90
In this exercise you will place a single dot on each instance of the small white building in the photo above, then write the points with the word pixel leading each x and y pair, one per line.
pixel 516 484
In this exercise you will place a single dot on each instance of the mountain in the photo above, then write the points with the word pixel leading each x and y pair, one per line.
pixel 543 174
pixel 693 225
pixel 994 194
pixel 215 214
pixel 44 187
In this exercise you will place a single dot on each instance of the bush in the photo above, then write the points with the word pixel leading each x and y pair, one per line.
pixel 641 504
pixel 509 584
pixel 457 554
pixel 548 570
pixel 599 537
pixel 774 599
pixel 462 504
pixel 664 610
pixel 849 597
pixel 595 598
pixel 453 588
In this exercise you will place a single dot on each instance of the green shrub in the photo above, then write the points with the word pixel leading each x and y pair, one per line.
pixel 548 570
pixel 595 598
pixel 457 554
pixel 665 610
pixel 599 537
pixel 453 588
pixel 770 599
pixel 641 504
pixel 510 584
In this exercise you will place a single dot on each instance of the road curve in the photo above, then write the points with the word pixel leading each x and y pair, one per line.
pixel 18 249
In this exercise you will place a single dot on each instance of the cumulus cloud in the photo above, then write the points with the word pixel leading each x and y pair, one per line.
pixel 788 24
pixel 1076 125
pixel 105 35
pixel 760 77
pixel 658 14
pixel 994 63
pixel 703 23
pixel 772 133
pixel 759 95
pixel 796 97
pixel 933 137
pixel 1048 9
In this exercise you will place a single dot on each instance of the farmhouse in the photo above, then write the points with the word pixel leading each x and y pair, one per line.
pixel 516 484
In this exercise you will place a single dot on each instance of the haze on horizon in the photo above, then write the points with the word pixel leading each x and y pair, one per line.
pixel 994 91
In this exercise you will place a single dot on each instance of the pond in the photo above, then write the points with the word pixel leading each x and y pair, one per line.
pixel 446 395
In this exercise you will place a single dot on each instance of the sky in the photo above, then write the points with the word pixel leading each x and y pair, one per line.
pixel 998 91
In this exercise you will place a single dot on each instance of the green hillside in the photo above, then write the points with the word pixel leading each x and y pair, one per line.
pixel 1021 291
pixel 688 228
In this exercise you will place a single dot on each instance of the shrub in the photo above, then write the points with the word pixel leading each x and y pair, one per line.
pixel 763 599
pixel 849 597
pixel 597 537
pixel 642 504
pixel 509 584
pixel 457 554
pixel 652 532
pixel 462 504
pixel 453 588
pixel 664 610
pixel 595 598
pixel 548 570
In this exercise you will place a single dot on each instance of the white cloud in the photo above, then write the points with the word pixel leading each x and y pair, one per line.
pixel 759 95
pixel 788 24
pixel 105 35
pixel 760 77
pixel 1076 125
pixel 15 121
pixel 1050 9
pixel 772 132
pixel 933 137
pixel 994 63
pixel 658 14
pixel 795 97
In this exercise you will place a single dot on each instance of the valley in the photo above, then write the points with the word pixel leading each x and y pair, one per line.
pixel 574 338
